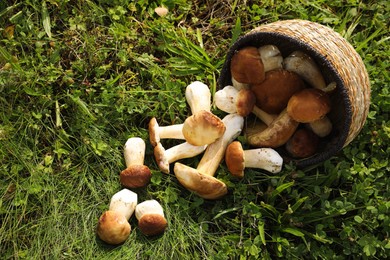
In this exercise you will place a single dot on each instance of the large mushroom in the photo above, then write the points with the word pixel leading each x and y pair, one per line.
pixel 246 66
pixel 136 174
pixel 237 159
pixel 201 180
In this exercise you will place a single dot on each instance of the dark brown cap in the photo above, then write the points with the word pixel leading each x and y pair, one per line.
pixel 135 176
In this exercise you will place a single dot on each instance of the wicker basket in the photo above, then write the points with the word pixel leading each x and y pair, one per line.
pixel 339 62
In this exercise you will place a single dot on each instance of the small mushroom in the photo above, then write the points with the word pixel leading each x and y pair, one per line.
pixel 271 57
pixel 308 105
pixel 321 127
pixel 156 132
pixel 198 97
pixel 237 159
pixel 231 100
pixel 246 66
pixel 276 134
pixel 136 174
pixel 273 94
pixel 303 144
pixel 203 128
pixel 184 150
pixel 151 219
pixel 304 65
pixel 113 227
pixel 124 202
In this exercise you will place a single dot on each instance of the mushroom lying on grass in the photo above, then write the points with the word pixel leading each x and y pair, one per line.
pixel 113 226
pixel 150 216
pixel 198 97
pixel 237 159
pixel 201 180
pixel 136 174
pixel 184 150
pixel 156 132
pixel 203 128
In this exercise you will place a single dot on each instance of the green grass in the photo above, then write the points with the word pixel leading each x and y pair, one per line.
pixel 77 78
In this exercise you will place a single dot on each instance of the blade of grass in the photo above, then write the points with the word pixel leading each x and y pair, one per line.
pixel 46 19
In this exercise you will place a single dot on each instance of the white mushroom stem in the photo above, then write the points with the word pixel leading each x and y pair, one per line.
pixel 264 116
pixel 157 132
pixel 239 85
pixel 263 158
pixel 271 57
pixel 134 151
pixel 175 153
pixel 198 97
pixel 215 152
pixel 302 64
pixel 148 207
pixel 124 202
pixel 321 127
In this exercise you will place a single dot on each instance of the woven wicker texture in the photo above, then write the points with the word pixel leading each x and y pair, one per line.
pixel 339 62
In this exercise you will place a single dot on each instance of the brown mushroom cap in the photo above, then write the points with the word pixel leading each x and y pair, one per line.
pixel 273 94
pixel 205 186
pixel 246 66
pixel 152 224
pixel 135 176
pixel 113 227
pixel 203 128
pixel 302 144
pixel 245 102
pixel 235 159
pixel 308 105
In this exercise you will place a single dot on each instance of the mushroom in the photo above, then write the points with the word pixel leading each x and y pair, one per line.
pixel 150 216
pixel 124 202
pixel 273 94
pixel 276 134
pixel 184 150
pixel 321 127
pixel 237 159
pixel 136 174
pixel 246 66
pixel 302 64
pixel 302 144
pixel 113 227
pixel 203 128
pixel 231 100
pixel 201 181
pixel 198 97
pixel 271 57
pixel 157 132
pixel 308 105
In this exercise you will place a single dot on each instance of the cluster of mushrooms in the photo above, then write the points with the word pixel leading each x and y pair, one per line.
pixel 289 95
pixel 113 225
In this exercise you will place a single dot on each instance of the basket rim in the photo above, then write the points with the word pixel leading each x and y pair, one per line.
pixel 253 37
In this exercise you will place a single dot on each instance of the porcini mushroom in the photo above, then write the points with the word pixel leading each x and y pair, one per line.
pixel 276 134
pixel 203 128
pixel 214 153
pixel 124 202
pixel 201 181
pixel 150 216
pixel 246 66
pixel 271 57
pixel 308 105
pixel 136 174
pixel 321 127
pixel 231 100
pixel 198 97
pixel 303 143
pixel 273 94
pixel 113 227
pixel 156 132
pixel 184 150
pixel 237 159
pixel 304 65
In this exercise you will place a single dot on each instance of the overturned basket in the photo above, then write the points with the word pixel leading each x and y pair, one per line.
pixel 339 62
